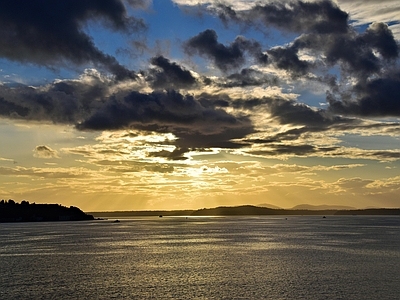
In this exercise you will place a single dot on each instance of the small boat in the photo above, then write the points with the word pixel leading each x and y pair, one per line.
pixel 116 221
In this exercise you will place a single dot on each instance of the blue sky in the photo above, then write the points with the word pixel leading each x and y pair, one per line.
pixel 139 104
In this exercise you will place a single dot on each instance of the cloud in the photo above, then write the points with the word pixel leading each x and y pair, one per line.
pixel 292 112
pixel 169 75
pixel 48 173
pixel 369 11
pixel 6 159
pixel 373 98
pixel 50 33
pixel 356 53
pixel 176 154
pixel 206 112
pixel 94 102
pixel 285 148
pixel 368 58
pixel 65 101
pixel 368 61
pixel 381 38
pixel 224 57
pixel 353 183
pixel 359 11
pixel 184 116
pixel 287 59
pixel 247 77
pixel 294 16
pixel 45 152
pixel 8 108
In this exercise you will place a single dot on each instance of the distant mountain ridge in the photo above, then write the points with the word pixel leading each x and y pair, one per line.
pixel 254 210
pixel 267 205
pixel 323 207
pixel 246 210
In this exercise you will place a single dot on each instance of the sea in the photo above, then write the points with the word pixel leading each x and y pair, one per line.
pixel 261 257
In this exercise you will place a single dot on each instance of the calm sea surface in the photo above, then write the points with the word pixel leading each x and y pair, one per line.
pixel 351 257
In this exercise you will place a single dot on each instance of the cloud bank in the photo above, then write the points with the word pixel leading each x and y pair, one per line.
pixel 358 68
pixel 51 33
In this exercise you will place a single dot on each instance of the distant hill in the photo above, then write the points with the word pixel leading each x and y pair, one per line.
pixel 267 205
pixel 11 211
pixel 245 210
pixel 322 207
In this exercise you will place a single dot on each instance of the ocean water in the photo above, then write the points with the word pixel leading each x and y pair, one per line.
pixel 347 257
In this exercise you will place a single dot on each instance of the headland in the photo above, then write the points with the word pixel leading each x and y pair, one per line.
pixel 11 211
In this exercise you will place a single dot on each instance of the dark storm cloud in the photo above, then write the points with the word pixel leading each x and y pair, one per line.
pixel 50 33
pixel 194 124
pixel 169 75
pixel 287 59
pixel 327 36
pixel 282 110
pixel 352 56
pixel 225 13
pixel 9 109
pixel 300 150
pixel 372 98
pixel 292 112
pixel 325 33
pixel 380 37
pixel 31 104
pixel 60 102
pixel 97 103
pixel 225 57
pixel 294 16
pixel 197 121
pixel 320 17
pixel 371 59
pixel 176 154
pixel 248 77
pixel 357 54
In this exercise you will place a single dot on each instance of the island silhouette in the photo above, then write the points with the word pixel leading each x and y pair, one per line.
pixel 11 211
pixel 247 210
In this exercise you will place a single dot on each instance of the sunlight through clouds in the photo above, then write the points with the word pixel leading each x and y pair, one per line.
pixel 234 102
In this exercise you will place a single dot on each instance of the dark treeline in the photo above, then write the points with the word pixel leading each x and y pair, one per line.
pixel 11 211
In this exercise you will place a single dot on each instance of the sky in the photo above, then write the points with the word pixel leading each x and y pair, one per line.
pixel 184 104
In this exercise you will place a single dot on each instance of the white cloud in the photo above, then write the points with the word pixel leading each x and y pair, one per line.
pixel 368 11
